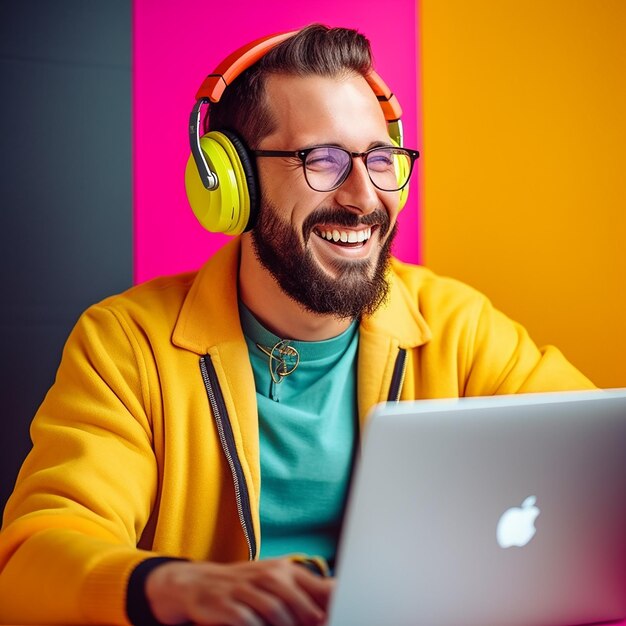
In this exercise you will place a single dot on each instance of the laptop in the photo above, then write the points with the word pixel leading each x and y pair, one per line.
pixel 502 510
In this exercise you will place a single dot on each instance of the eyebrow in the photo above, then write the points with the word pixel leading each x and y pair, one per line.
pixel 381 144
pixel 330 144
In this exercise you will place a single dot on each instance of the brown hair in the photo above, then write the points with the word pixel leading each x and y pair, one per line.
pixel 316 49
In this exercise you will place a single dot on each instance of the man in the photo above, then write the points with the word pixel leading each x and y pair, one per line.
pixel 195 416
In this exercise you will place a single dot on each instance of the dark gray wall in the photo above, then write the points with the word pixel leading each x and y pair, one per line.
pixel 65 190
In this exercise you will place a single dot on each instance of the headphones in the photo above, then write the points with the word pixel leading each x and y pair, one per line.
pixel 220 177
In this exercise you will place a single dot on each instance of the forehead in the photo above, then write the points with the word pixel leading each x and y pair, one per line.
pixel 312 110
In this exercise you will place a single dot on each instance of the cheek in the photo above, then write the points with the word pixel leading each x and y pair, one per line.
pixel 391 202
pixel 308 202
pixel 286 194
pixel 299 213
pixel 278 180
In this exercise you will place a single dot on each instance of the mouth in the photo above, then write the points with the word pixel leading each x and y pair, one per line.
pixel 345 237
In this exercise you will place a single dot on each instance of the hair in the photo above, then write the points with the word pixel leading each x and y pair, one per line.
pixel 314 50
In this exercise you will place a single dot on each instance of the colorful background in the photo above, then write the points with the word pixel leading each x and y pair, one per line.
pixel 524 189
pixel 171 57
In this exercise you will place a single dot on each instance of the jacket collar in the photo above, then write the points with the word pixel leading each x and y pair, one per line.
pixel 213 296
pixel 210 314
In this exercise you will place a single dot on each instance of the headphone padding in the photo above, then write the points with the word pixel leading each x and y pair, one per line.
pixel 249 171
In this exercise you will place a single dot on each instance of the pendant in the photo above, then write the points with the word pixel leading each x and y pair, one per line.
pixel 283 359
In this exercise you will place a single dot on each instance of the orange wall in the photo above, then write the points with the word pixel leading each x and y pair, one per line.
pixel 524 156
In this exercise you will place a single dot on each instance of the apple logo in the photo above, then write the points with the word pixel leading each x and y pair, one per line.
pixel 516 527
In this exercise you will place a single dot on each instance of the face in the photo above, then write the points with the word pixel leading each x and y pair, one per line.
pixel 329 251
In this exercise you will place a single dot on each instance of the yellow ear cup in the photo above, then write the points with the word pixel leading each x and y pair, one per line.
pixel 401 171
pixel 404 192
pixel 227 208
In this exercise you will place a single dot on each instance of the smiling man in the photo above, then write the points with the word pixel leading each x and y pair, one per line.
pixel 322 207
pixel 191 462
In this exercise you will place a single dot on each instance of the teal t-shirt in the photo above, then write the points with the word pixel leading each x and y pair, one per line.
pixel 307 431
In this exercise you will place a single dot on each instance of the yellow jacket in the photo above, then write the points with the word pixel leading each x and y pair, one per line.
pixel 132 456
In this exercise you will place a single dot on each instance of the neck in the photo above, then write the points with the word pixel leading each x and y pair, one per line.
pixel 279 313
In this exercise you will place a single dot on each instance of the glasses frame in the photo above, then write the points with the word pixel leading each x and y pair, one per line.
pixel 304 153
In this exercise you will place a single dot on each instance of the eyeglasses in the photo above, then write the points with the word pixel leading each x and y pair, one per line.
pixel 327 167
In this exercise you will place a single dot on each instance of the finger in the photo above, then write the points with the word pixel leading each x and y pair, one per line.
pixel 267 605
pixel 295 597
pixel 320 588
pixel 224 613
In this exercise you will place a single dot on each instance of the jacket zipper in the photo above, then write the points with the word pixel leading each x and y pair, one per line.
pixel 397 379
pixel 218 406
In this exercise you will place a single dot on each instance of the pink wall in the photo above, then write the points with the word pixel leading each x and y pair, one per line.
pixel 175 44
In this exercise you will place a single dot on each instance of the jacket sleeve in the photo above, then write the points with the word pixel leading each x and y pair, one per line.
pixel 86 490
pixel 502 359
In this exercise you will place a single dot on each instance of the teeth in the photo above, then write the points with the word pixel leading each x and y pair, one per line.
pixel 346 236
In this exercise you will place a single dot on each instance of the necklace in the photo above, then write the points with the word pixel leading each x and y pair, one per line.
pixel 283 359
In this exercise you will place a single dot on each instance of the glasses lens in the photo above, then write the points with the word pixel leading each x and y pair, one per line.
pixel 326 167
pixel 389 168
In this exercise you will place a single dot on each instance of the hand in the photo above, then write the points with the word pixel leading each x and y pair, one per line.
pixel 275 592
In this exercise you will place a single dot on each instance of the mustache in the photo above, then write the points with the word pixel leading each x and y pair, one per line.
pixel 343 217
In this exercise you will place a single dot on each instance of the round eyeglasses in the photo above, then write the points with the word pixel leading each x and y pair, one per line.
pixel 327 167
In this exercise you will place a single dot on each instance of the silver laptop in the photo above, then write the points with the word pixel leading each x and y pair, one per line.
pixel 503 510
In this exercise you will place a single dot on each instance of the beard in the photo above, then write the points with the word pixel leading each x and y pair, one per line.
pixel 357 288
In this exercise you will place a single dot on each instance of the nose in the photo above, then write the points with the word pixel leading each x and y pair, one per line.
pixel 358 192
